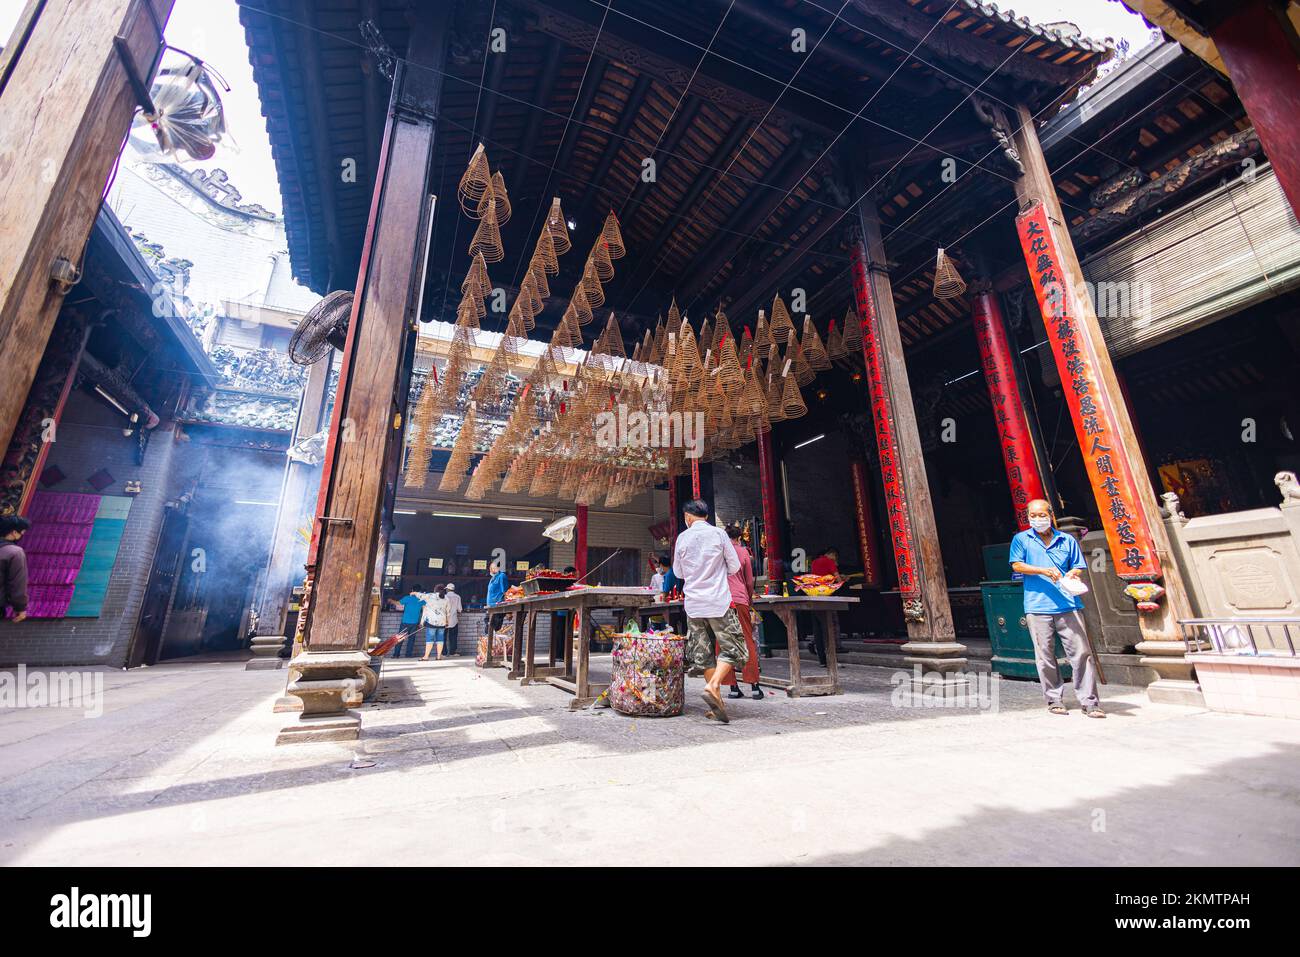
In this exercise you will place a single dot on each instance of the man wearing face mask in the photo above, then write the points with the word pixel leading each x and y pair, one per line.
pixel 1045 556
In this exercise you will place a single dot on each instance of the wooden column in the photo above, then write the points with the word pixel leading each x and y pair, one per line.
pixel 1162 641
pixel 365 428
pixel 999 367
pixel 932 642
pixel 65 106
pixel 771 515
pixel 1262 65
pixel 865 518
pixel 580 542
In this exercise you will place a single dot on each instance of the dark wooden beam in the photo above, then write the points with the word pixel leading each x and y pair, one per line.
pixel 727 85
pixel 325 167
pixel 635 100
pixel 718 159
pixel 763 200
pixel 685 116
pixel 519 171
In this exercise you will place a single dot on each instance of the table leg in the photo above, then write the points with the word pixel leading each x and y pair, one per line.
pixel 516 646
pixel 791 621
pixel 832 622
pixel 550 654
pixel 530 645
pixel 583 690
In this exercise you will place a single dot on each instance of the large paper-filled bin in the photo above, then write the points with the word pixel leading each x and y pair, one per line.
pixel 649 675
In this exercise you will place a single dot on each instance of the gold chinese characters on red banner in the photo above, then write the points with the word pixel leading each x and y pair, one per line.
pixel 1127 533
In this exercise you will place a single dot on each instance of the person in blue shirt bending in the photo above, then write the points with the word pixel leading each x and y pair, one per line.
pixel 1042 555
pixel 412 607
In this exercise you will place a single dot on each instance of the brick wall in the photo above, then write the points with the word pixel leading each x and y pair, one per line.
pixel 89 439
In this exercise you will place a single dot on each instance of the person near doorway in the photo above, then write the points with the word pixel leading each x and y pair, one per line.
pixel 742 600
pixel 13 566
pixel 412 608
pixel 658 567
pixel 827 563
pixel 453 620
pixel 703 558
pixel 435 621
pixel 1045 557
pixel 496 594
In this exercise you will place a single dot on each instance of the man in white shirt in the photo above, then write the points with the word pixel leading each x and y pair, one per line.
pixel 453 620
pixel 703 558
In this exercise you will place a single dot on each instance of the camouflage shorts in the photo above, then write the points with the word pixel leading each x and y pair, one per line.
pixel 701 635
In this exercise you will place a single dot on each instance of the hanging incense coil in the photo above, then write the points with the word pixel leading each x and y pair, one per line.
pixel 475 183
pixel 721 329
pixel 835 348
pixel 813 349
pixel 852 332
pixel 762 338
pixel 780 328
pixel 453 475
pixel 497 193
pixel 792 399
pixel 774 398
pixel 729 364
pixel 470 310
pixel 803 371
pixel 674 317
pixel 558 227
pixel 611 339
pixel 487 238
pixel 579 306
pixel 612 234
pixel 600 261
pixel 757 400
pixel 476 278
pixel 544 253
pixel 591 286
pixel 706 334
pixel 948 283
pixel 746 349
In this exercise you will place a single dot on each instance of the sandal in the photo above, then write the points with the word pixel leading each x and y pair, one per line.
pixel 715 704
pixel 1094 712
pixel 1057 709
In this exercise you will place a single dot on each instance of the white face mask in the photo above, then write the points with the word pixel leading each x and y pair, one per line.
pixel 1040 524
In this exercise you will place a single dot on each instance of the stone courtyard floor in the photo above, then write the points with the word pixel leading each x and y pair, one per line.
pixel 470 768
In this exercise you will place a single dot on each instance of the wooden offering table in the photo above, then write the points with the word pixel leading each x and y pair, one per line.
pixel 786 609
pixel 563 671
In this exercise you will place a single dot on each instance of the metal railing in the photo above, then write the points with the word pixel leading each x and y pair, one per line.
pixel 1242 636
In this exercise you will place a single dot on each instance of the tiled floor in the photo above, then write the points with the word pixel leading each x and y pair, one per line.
pixel 459 765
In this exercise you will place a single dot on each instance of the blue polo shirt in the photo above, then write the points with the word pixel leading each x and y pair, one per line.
pixel 497 587
pixel 412 609
pixel 1042 596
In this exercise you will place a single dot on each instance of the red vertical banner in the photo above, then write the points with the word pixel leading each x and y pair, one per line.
pixel 1127 533
pixel 695 478
pixel 771 520
pixel 674 507
pixel 580 542
pixel 999 367
pixel 866 522
pixel 891 475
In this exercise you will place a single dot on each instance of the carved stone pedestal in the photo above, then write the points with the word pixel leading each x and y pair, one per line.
pixel 328 685
pixel 266 653
pixel 1176 679
pixel 942 666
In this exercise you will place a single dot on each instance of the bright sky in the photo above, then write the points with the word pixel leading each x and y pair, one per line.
pixel 210 30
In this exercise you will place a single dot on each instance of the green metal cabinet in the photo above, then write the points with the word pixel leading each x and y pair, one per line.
pixel 1004 610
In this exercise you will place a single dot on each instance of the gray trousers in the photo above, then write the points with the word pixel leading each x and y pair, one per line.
pixel 1069 625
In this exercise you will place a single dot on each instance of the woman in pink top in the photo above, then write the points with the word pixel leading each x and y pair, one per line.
pixel 742 599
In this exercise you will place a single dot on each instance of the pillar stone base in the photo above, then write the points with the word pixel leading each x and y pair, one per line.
pixel 328 684
pixel 266 653
pixel 1175 676
pixel 941 663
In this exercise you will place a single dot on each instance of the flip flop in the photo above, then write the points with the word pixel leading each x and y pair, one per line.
pixel 1057 709
pixel 715 704
pixel 1094 712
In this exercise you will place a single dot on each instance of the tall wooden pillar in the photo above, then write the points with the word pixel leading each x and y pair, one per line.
pixel 580 542
pixel 1138 539
pixel 932 641
pixel 771 514
pixel 365 428
pixel 65 106
pixel 998 363
pixel 1262 65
